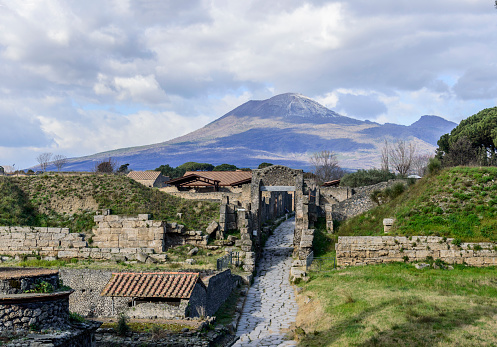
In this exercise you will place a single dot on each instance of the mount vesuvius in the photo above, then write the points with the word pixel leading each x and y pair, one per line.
pixel 284 129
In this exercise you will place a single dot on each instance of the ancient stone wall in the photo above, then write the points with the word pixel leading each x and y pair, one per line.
pixel 332 194
pixel 360 201
pixel 114 231
pixel 219 288
pixel 21 285
pixel 40 240
pixel 364 250
pixel 86 300
pixel 177 235
pixel 20 314
pixel 210 196
pixel 88 284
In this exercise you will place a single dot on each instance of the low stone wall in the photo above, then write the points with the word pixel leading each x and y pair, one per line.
pixel 365 250
pixel 25 311
pixel 21 285
pixel 209 196
pixel 58 242
pixel 360 202
pixel 39 240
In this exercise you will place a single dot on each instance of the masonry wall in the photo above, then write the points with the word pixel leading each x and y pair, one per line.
pixel 114 231
pixel 86 299
pixel 219 288
pixel 364 250
pixel 360 201
pixel 332 195
pixel 43 314
pixel 37 240
pixel 21 285
pixel 88 284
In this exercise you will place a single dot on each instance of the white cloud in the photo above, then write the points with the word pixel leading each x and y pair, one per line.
pixel 74 70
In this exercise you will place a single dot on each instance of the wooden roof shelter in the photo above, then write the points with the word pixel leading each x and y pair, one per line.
pixel 215 179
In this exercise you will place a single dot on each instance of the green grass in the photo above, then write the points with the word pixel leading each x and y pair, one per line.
pixel 459 202
pixel 398 305
pixel 39 201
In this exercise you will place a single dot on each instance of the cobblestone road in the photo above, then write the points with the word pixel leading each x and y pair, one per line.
pixel 270 308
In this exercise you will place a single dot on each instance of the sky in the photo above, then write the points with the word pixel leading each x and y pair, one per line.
pixel 82 77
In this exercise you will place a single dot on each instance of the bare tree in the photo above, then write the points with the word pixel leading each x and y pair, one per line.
pixel 419 164
pixel 401 155
pixel 325 166
pixel 105 166
pixel 385 165
pixel 44 159
pixel 59 161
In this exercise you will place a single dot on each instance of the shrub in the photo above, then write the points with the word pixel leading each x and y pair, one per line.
pixel 41 287
pixel 434 166
pixel 457 242
pixel 75 318
pixel 122 325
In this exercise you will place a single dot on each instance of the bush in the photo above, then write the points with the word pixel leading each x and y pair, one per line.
pixel 122 325
pixel 434 166
pixel 75 318
pixel 366 178
pixel 41 287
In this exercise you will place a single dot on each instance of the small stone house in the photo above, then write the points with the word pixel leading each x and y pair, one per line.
pixel 149 178
pixel 163 295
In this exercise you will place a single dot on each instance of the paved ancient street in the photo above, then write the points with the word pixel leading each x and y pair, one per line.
pixel 270 308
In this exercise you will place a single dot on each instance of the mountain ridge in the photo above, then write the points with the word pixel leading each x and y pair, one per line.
pixel 283 129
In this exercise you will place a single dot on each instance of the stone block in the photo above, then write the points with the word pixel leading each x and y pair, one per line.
pixel 144 216
pixel 68 254
pixel 79 244
pixel 98 218
pixel 111 218
pixel 18 236
pixel 212 227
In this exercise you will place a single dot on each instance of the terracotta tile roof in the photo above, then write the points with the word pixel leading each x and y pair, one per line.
pixel 225 178
pixel 334 183
pixel 144 175
pixel 152 285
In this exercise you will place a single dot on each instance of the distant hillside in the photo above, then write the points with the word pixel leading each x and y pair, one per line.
pixel 284 129
pixel 71 201
pixel 459 202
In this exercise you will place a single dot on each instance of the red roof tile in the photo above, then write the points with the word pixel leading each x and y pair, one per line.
pixel 152 285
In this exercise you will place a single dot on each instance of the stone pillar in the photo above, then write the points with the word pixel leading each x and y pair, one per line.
pixel 329 218
pixel 388 224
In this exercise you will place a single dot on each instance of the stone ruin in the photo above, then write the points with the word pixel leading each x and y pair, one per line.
pixel 24 309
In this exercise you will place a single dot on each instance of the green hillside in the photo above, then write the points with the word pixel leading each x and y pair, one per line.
pixel 458 202
pixel 71 201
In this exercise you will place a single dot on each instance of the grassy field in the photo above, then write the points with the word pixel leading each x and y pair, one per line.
pixel 71 201
pixel 396 304
pixel 459 202
pixel 399 305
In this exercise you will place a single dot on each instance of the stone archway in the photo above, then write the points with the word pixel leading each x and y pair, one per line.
pixel 278 183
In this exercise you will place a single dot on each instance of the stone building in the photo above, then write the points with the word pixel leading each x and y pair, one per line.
pixel 160 295
pixel 149 178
